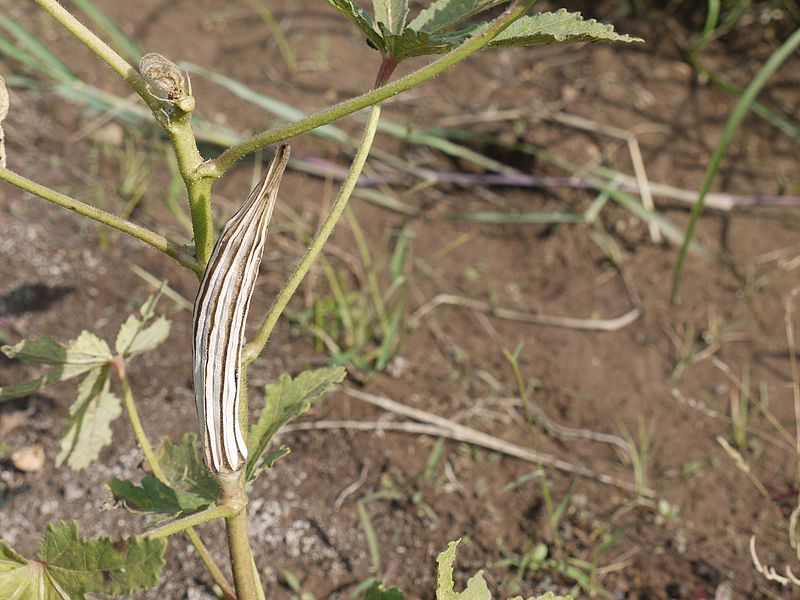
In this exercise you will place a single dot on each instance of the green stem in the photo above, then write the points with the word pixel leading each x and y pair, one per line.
pixel 215 168
pixel 141 437
pixel 159 242
pixel 213 569
pixel 102 50
pixel 254 348
pixel 198 518
pixel 178 128
pixel 232 493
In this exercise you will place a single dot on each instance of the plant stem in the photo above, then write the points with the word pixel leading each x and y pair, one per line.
pixel 213 569
pixel 102 50
pixel 233 493
pixel 159 242
pixel 253 349
pixel 198 518
pixel 141 437
pixel 178 128
pixel 215 168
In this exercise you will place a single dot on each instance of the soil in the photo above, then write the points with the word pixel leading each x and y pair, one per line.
pixel 676 369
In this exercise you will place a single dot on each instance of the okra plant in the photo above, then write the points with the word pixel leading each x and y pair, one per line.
pixel 180 491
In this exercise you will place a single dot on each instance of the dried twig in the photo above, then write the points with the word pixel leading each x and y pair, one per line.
pixel 434 425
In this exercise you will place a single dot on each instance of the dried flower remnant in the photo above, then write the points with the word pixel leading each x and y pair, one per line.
pixel 4 103
pixel 220 313
pixel 167 82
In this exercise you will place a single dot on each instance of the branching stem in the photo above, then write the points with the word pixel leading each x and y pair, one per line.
pixel 159 242
pixel 215 168
pixel 254 348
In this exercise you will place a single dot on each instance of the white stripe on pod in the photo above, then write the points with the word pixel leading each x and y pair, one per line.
pixel 219 317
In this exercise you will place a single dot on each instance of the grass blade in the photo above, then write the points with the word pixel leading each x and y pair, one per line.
pixel 119 40
pixel 738 114
pixel 48 63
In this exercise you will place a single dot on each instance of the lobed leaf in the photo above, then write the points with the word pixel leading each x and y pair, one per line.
pixel 476 586
pixel 138 335
pixel 89 422
pixel 285 400
pixel 191 487
pixel 82 354
pixel 560 27
pixel 70 566
pixel 442 14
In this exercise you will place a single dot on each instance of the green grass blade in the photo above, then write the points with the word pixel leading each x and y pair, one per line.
pixel 372 538
pixel 119 40
pixel 517 218
pixel 738 114
pixel 276 107
pixel 48 63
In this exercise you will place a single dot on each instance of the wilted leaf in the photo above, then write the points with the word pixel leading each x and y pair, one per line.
pixel 134 338
pixel 391 13
pixel 69 566
pixel 476 586
pixel 137 335
pixel 286 399
pixel 560 27
pixel 89 422
pixel 445 13
pixel 191 488
pixel 82 354
pixel 361 19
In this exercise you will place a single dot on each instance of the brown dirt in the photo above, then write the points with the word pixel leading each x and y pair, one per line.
pixel 78 278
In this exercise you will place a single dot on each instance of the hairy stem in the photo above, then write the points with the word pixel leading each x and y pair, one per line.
pixel 152 461
pixel 232 493
pixel 254 348
pixel 178 127
pixel 215 168
pixel 159 242
pixel 198 518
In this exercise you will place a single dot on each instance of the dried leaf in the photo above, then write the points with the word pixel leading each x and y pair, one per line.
pixel 89 422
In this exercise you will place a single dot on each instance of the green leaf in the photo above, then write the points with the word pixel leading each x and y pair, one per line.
pixel 391 13
pixel 69 566
pixel 362 20
pixel 476 586
pixel 446 13
pixel 89 422
pixel 413 43
pixel 137 335
pixel 191 487
pixel 377 592
pixel 560 27
pixel 82 354
pixel 285 400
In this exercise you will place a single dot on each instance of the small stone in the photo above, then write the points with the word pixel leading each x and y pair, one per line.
pixel 29 459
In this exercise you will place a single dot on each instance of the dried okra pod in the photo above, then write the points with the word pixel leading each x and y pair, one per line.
pixel 218 321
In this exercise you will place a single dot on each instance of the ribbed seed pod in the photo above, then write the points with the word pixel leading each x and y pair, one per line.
pixel 218 321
